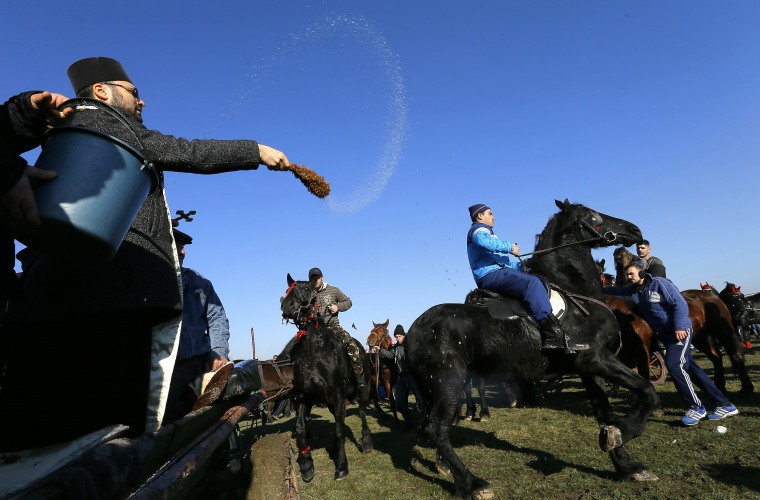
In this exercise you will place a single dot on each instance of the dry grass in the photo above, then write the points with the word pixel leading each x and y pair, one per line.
pixel 315 183
pixel 550 452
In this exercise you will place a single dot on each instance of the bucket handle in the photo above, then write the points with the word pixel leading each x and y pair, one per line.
pixel 71 103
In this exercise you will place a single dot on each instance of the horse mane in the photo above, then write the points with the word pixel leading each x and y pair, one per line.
pixel 552 226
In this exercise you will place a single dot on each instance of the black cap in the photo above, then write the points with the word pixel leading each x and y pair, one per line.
pixel 181 238
pixel 399 330
pixel 315 272
pixel 476 209
pixel 85 72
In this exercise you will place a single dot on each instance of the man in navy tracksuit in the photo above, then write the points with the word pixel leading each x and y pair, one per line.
pixel 667 313
pixel 492 270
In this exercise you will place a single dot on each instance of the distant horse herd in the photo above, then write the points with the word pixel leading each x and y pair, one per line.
pixel 453 346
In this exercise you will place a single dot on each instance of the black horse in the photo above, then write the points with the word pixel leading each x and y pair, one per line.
pixel 322 373
pixel 743 311
pixel 448 340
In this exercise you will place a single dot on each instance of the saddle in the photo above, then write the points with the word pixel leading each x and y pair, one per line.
pixel 501 308
pixel 244 377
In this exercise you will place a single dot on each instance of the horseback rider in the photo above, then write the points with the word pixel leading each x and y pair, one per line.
pixel 331 302
pixel 492 270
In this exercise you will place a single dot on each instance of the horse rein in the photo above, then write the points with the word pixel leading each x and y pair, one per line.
pixel 610 236
pixel 377 358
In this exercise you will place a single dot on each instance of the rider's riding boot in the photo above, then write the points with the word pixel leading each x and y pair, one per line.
pixel 552 334
pixel 555 337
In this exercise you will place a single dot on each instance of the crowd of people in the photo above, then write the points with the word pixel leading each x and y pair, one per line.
pixel 163 312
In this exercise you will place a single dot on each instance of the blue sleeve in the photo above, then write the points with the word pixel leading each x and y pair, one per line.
pixel 673 297
pixel 218 325
pixel 484 239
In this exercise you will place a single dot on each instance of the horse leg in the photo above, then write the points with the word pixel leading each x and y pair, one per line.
pixel 389 383
pixel 341 462
pixel 470 409
pixel 703 345
pixel 366 435
pixel 738 366
pixel 305 462
pixel 375 395
pixel 485 415
pixel 442 406
pixel 617 431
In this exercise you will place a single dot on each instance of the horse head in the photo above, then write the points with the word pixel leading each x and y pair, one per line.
pixel 379 335
pixel 563 249
pixel 300 302
pixel 578 223
pixel 623 257
pixel 606 278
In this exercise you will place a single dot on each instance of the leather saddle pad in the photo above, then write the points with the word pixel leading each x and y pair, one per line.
pixel 511 308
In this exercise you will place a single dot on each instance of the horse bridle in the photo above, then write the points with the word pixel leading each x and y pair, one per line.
pixel 593 224
pixel 302 320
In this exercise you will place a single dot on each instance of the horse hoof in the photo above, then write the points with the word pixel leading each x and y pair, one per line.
pixel 340 474
pixel 468 418
pixel 485 418
pixel 442 469
pixel 307 476
pixel 657 413
pixel 484 493
pixel 645 475
pixel 610 438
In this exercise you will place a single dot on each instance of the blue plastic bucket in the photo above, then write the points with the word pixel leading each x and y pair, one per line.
pixel 88 208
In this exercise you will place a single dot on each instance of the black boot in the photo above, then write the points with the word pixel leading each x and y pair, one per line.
pixel 554 336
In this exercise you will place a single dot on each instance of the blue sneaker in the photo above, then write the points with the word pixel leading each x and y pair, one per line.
pixel 694 415
pixel 722 412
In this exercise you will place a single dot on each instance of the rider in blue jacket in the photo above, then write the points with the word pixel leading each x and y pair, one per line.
pixel 492 270
pixel 666 311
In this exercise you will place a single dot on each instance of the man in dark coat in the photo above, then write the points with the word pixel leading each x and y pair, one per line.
pixel 404 382
pixel 103 334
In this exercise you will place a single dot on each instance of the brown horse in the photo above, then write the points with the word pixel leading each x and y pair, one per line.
pixel 383 372
pixel 635 333
pixel 711 321
pixel 623 258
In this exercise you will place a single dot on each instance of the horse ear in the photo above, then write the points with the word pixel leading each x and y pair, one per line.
pixel 290 280
pixel 387 322
pixel 601 263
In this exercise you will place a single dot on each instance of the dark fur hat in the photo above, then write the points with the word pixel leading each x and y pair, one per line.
pixel 92 70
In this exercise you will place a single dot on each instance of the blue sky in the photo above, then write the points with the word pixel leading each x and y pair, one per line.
pixel 646 110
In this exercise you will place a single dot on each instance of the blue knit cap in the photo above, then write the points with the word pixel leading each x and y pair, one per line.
pixel 476 209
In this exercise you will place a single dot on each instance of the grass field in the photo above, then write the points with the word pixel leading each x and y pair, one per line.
pixel 549 452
